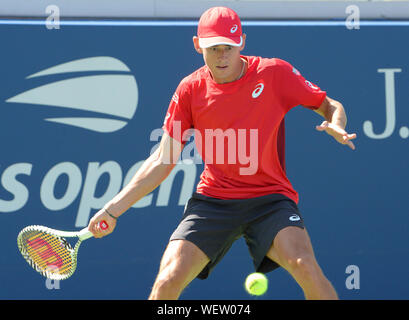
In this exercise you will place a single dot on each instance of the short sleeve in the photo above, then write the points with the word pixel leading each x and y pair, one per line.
pixel 178 119
pixel 296 90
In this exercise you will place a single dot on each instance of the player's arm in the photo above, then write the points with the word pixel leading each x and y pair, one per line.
pixel 150 175
pixel 335 121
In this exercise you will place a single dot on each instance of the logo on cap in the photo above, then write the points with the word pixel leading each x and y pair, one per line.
pixel 219 26
pixel 234 28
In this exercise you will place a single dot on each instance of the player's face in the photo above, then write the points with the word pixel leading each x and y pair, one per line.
pixel 224 62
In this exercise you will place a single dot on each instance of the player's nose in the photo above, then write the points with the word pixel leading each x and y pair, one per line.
pixel 222 53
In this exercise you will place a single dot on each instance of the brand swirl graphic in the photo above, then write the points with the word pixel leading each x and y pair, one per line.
pixel 311 85
pixel 234 28
pixel 294 217
pixel 258 90
pixel 111 94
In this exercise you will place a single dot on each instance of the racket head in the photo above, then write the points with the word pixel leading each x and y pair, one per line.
pixel 47 252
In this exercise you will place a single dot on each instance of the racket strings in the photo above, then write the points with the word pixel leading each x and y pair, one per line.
pixel 48 253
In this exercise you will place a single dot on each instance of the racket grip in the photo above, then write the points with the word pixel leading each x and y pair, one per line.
pixel 103 225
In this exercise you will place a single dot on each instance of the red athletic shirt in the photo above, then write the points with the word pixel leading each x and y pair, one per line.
pixel 239 126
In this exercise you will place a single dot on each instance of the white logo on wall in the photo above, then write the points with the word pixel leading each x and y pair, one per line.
pixel 112 98
pixel 390 109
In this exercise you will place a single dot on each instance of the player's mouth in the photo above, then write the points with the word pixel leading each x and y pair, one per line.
pixel 221 67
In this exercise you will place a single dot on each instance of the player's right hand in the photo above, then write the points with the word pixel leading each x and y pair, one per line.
pixel 95 227
pixel 338 133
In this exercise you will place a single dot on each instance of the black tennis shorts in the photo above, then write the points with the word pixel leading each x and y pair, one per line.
pixel 214 225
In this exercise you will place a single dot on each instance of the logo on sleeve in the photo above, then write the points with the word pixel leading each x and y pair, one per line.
pixel 311 85
pixel 166 117
pixel 258 90
pixel 175 98
pixel 296 72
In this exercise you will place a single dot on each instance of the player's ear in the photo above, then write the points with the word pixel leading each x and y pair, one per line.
pixel 196 45
pixel 244 41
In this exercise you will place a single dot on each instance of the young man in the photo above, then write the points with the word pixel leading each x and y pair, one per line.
pixel 236 105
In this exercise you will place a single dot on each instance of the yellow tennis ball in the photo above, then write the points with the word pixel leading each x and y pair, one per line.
pixel 256 283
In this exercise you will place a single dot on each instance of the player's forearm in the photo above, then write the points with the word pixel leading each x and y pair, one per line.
pixel 335 113
pixel 149 176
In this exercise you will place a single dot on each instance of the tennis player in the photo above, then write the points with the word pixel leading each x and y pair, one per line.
pixel 236 106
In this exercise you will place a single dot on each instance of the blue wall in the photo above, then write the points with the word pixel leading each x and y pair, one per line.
pixel 355 203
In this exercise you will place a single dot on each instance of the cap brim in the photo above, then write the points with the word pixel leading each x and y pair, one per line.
pixel 217 41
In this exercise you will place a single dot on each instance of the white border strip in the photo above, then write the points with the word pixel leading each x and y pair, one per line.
pixel 126 23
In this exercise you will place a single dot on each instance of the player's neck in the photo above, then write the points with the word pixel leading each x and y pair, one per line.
pixel 244 65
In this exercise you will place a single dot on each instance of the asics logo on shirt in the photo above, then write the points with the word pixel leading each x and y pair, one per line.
pixel 234 28
pixel 258 90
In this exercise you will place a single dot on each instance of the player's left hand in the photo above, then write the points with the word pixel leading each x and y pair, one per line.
pixel 338 133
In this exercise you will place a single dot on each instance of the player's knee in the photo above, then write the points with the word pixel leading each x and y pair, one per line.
pixel 303 265
pixel 170 280
pixel 166 285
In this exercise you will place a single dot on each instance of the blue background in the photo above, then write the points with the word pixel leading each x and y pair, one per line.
pixel 355 203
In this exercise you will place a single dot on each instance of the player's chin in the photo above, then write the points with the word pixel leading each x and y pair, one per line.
pixel 223 74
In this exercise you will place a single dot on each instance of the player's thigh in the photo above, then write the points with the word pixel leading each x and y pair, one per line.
pixel 290 245
pixel 182 261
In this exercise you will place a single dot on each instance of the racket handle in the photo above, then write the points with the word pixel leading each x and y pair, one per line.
pixel 85 234
pixel 103 225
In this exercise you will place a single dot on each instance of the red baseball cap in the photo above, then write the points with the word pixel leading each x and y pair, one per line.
pixel 219 25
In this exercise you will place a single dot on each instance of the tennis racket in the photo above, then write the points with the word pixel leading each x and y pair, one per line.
pixel 49 253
